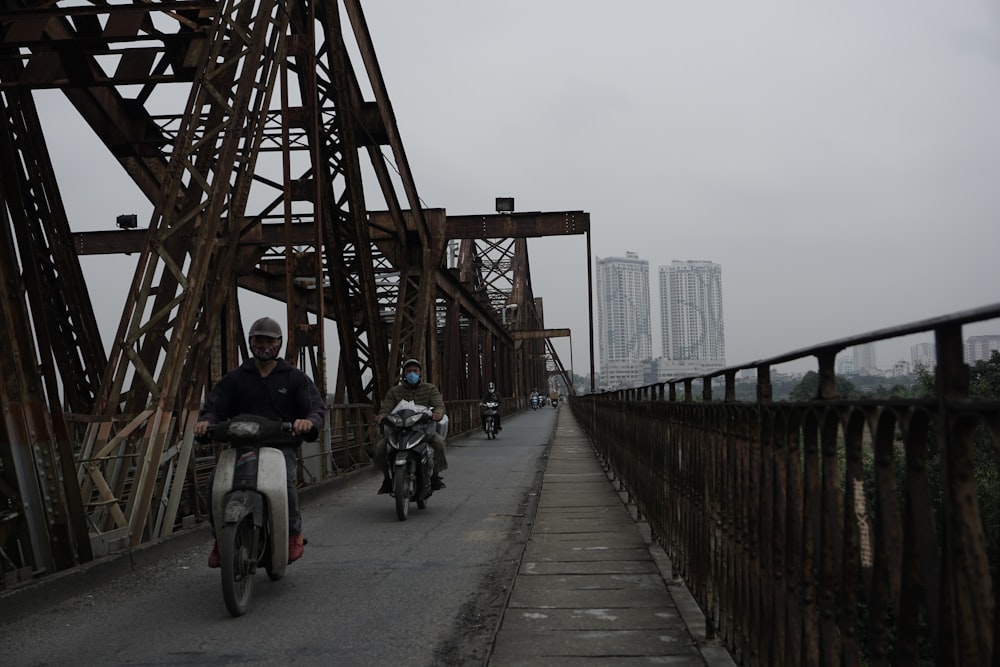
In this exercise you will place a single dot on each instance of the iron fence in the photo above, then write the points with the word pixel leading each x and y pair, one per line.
pixel 827 531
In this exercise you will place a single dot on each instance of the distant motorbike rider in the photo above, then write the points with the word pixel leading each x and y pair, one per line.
pixel 268 386
pixel 492 395
pixel 412 388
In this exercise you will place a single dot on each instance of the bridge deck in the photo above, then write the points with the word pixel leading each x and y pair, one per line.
pixel 591 588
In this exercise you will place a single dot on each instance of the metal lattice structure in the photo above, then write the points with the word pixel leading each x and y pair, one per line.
pixel 244 124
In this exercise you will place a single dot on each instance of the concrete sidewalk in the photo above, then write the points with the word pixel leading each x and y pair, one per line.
pixel 591 589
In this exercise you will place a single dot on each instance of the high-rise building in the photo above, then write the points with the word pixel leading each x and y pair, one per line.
pixel 845 364
pixel 923 355
pixel 691 312
pixel 623 326
pixel 864 359
pixel 980 348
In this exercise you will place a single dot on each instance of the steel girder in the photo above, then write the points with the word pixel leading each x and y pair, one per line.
pixel 181 328
pixel 493 261
pixel 41 513
pixel 311 244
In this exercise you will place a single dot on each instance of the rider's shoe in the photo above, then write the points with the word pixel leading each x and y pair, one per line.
pixel 437 483
pixel 386 486
pixel 215 558
pixel 294 548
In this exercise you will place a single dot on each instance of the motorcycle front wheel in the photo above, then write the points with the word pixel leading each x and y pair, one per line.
pixel 238 548
pixel 401 489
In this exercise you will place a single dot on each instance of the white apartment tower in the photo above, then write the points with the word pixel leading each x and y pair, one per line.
pixel 623 326
pixel 691 312
pixel 924 355
pixel 864 359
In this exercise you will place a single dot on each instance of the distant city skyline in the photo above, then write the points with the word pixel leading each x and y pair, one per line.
pixel 692 330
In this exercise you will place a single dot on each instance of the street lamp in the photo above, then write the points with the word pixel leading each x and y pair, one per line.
pixel 509 306
pixel 505 204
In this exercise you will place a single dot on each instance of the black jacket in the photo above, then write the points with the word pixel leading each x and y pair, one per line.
pixel 286 394
pixel 492 396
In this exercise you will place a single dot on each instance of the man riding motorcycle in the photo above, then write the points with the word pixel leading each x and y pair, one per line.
pixel 412 388
pixel 492 395
pixel 268 386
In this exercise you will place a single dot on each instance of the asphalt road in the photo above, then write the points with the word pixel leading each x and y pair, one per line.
pixel 370 589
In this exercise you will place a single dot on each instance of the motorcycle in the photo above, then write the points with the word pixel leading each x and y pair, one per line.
pixel 249 505
pixel 410 456
pixel 490 411
pixel 535 402
pixel 555 402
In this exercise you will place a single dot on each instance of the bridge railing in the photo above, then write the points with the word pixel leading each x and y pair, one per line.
pixel 828 531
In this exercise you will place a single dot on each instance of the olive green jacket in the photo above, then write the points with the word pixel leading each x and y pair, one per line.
pixel 423 393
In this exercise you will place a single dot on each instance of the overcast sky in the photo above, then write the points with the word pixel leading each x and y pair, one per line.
pixel 840 161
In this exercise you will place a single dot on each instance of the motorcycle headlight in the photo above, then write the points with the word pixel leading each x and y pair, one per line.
pixel 412 420
pixel 395 420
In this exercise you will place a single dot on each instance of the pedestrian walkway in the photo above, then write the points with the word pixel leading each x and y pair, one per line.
pixel 591 589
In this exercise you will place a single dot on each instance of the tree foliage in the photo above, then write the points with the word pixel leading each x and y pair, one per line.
pixel 984 378
pixel 808 388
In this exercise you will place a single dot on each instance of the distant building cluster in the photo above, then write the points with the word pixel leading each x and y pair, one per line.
pixel 980 348
pixel 860 360
pixel 693 330
pixel 691 321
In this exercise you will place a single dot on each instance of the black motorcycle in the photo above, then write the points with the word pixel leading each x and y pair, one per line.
pixel 410 456
pixel 490 411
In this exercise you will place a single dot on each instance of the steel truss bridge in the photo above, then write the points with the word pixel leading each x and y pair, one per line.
pixel 255 177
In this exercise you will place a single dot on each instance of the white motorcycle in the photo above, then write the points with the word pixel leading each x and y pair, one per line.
pixel 249 505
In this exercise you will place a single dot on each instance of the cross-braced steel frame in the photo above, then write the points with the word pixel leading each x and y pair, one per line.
pixel 244 123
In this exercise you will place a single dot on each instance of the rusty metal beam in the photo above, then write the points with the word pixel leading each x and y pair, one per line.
pixel 540 333
pixel 518 225
pixel 457 227
pixel 206 190
pixel 381 276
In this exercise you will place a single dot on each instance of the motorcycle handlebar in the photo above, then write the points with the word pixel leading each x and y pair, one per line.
pixel 256 429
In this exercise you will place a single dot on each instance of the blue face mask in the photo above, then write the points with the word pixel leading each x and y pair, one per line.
pixel 412 378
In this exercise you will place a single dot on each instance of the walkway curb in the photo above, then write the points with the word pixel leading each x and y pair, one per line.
pixel 592 586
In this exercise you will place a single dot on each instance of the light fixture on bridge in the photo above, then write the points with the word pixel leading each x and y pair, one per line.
pixel 509 306
pixel 130 221
pixel 505 204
